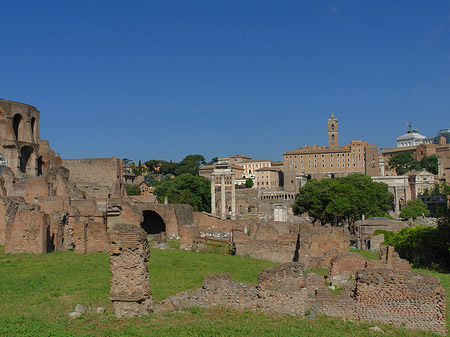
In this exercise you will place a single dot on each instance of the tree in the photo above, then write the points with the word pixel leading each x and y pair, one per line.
pixel 132 189
pixel 187 189
pixel 344 199
pixel 190 164
pixel 153 165
pixel 430 163
pixel 404 162
pixel 249 183
pixel 414 208
pixel 151 179
pixel 213 160
pixel 167 167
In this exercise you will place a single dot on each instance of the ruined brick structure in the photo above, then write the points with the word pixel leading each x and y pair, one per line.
pixel 129 253
pixel 402 298
pixel 97 177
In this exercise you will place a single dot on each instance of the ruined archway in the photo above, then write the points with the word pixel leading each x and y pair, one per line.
pixel 16 123
pixel 33 123
pixel 153 223
pixel 25 153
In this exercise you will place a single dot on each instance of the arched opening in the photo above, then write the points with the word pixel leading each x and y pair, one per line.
pixel 332 127
pixel 16 123
pixel 33 123
pixel 25 153
pixel 39 164
pixel 153 223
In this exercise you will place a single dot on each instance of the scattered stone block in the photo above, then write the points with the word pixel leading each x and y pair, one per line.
pixel 75 314
pixel 80 308
pixel 376 329
pixel 100 310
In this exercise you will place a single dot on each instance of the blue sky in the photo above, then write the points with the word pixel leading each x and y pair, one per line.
pixel 164 79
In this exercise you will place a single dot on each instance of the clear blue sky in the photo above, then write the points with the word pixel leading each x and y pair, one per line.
pixel 163 79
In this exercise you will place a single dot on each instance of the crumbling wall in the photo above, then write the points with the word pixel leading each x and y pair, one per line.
pixel 412 300
pixel 58 231
pixel 283 289
pixel 345 265
pixel 279 249
pixel 97 177
pixel 415 301
pixel 129 253
pixel 97 239
pixel 27 232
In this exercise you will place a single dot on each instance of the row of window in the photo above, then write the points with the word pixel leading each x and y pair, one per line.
pixel 323 165
pixel 323 155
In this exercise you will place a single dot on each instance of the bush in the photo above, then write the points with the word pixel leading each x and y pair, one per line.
pixel 132 189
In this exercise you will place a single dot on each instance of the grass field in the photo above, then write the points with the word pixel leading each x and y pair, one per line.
pixel 39 291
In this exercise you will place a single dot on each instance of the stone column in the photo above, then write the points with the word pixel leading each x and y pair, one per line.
pixel 213 194
pixel 233 198
pixel 223 214
pixel 128 260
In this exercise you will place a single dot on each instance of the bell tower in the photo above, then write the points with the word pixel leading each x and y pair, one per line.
pixel 332 132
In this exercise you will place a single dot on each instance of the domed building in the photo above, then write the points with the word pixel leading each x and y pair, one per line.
pixel 413 138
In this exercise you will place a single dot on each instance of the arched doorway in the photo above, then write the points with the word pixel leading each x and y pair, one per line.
pixel 153 223
pixel 16 123
pixel 25 153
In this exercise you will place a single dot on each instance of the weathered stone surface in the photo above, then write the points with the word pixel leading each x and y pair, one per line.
pixel 75 314
pixel 100 310
pixel 130 286
pixel 80 308
pixel 402 298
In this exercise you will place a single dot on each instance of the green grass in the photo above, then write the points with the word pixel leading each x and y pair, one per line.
pixel 38 292
pixel 368 254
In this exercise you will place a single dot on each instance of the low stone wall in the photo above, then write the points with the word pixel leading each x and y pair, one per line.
pixel 408 299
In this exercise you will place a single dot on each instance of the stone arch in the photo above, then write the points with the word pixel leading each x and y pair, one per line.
pixel 33 129
pixel 17 119
pixel 153 223
pixel 25 153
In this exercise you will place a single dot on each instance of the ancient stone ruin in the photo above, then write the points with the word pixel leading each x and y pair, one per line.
pixel 402 298
pixel 129 253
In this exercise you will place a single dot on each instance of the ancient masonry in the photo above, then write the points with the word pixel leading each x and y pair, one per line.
pixel 128 257
pixel 408 299
pixel 377 292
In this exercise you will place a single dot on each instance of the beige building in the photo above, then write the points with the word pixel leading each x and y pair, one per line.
pixel 317 162
pixel 251 165
pixel 267 177
pixel 208 170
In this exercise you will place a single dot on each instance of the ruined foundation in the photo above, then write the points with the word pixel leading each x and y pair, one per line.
pixel 129 253
pixel 401 298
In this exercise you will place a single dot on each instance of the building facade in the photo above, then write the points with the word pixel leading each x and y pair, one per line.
pixel 317 162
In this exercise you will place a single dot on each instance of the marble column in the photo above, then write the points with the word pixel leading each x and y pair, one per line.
pixel 223 211
pixel 233 198
pixel 213 194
